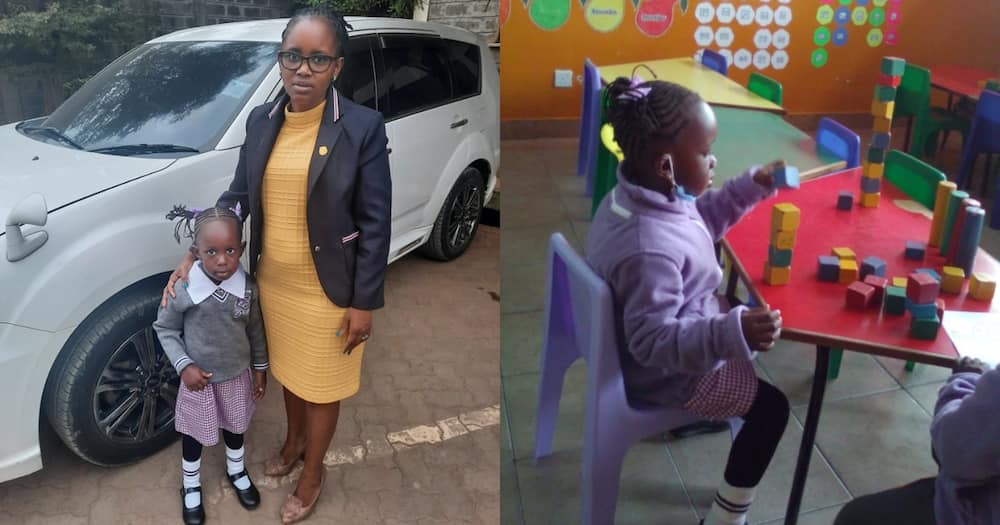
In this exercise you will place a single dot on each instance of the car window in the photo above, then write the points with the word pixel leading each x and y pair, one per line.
pixel 357 80
pixel 181 93
pixel 416 73
pixel 463 60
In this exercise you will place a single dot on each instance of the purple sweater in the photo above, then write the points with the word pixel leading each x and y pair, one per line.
pixel 966 438
pixel 658 257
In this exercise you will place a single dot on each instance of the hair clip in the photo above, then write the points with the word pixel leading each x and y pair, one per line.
pixel 237 210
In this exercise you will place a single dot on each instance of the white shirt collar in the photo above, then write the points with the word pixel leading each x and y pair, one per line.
pixel 200 287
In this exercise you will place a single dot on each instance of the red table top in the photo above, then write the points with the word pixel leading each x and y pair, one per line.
pixel 814 311
pixel 962 80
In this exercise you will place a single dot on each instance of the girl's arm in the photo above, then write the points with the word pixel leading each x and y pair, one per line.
pixel 965 430
pixel 169 325
pixel 372 211
pixel 722 208
pixel 255 333
pixel 650 289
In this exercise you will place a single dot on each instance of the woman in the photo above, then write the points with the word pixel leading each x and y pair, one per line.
pixel 314 176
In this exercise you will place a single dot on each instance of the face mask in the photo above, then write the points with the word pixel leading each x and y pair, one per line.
pixel 683 194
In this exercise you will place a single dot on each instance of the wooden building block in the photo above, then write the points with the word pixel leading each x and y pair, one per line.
pixel 982 286
pixel 848 271
pixel 829 268
pixel 876 155
pixel 892 81
pixel 882 140
pixel 924 328
pixel 951 279
pixel 872 170
pixel 883 109
pixel 776 276
pixel 879 283
pixel 944 189
pixel 859 295
pixel 893 66
pixel 895 300
pixel 845 200
pixel 783 239
pixel 872 265
pixel 915 250
pixel 870 200
pixel 922 310
pixel 778 258
pixel 843 252
pixel 786 177
pixel 922 288
pixel 899 281
pixel 931 272
pixel 870 185
pixel 785 216
pixel 882 125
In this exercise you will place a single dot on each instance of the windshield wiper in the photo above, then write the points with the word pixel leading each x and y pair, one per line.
pixel 144 149
pixel 49 131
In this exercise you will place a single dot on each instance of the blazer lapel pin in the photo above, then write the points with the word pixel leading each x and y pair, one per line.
pixel 323 151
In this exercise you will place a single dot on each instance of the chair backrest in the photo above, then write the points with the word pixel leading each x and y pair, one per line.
pixel 916 178
pixel 985 130
pixel 715 61
pixel 591 311
pixel 765 86
pixel 913 97
pixel 590 116
pixel 839 140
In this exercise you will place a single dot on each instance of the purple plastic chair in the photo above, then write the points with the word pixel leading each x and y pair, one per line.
pixel 589 118
pixel 579 322
pixel 984 137
pixel 715 61
pixel 840 141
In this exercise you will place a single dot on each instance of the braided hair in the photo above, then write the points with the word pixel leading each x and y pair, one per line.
pixel 191 220
pixel 647 111
pixel 338 26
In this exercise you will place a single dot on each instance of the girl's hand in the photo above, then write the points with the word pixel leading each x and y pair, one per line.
pixel 180 273
pixel 195 378
pixel 969 364
pixel 259 384
pixel 765 175
pixel 357 325
pixel 761 328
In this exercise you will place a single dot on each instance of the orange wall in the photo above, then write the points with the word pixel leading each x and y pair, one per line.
pixel 844 84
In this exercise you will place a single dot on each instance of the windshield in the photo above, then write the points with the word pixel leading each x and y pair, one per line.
pixel 177 93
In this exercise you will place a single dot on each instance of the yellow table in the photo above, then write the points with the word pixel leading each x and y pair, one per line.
pixel 716 89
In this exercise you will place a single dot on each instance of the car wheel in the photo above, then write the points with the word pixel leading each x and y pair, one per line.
pixel 112 392
pixel 458 220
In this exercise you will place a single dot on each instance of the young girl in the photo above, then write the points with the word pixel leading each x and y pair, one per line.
pixel 652 240
pixel 213 332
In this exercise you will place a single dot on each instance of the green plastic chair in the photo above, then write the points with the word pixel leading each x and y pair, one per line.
pixel 607 163
pixel 765 86
pixel 919 181
pixel 913 100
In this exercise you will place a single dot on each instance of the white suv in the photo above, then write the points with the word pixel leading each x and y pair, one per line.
pixel 84 193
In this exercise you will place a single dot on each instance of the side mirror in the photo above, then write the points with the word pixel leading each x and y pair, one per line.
pixel 31 210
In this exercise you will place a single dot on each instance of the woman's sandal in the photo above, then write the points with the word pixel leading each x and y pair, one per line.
pixel 294 510
pixel 275 467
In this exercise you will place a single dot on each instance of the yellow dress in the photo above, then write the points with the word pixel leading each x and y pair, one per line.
pixel 301 323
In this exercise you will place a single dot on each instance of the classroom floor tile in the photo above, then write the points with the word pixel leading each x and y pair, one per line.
pixel 521 344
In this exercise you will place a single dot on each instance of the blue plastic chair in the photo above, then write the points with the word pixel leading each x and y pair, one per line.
pixel 715 61
pixel 589 118
pixel 984 137
pixel 579 322
pixel 839 140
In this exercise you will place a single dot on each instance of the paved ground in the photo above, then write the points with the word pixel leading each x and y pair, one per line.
pixel 417 445
pixel 873 433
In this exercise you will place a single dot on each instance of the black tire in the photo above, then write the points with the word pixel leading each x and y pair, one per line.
pixel 458 221
pixel 111 393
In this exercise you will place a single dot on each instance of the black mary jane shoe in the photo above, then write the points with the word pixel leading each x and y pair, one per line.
pixel 249 497
pixel 195 516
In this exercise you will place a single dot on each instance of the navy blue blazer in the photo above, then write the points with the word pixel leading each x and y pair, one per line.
pixel 348 199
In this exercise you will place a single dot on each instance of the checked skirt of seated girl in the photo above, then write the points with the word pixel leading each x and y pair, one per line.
pixel 652 240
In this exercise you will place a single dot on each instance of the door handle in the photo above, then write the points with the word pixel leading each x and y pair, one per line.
pixel 460 123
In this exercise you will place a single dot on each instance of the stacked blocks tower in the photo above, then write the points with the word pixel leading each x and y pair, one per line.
pixel 922 303
pixel 883 105
pixel 785 219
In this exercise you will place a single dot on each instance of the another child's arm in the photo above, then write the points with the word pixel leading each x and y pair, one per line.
pixel 650 289
pixel 169 326
pixel 258 345
pixel 965 430
pixel 722 208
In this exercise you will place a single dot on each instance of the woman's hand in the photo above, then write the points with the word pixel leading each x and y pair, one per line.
pixel 195 378
pixel 259 384
pixel 180 273
pixel 765 175
pixel 357 325
pixel 761 328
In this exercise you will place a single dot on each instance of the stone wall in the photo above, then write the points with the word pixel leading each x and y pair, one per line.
pixel 478 16
pixel 179 14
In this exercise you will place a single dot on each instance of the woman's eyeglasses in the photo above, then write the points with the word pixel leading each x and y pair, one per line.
pixel 293 61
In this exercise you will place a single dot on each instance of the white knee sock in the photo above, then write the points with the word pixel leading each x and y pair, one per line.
pixel 731 505
pixel 234 465
pixel 192 478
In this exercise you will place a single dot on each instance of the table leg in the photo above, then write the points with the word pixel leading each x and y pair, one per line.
pixel 808 435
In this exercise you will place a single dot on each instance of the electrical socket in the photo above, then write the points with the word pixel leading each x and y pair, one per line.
pixel 563 78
